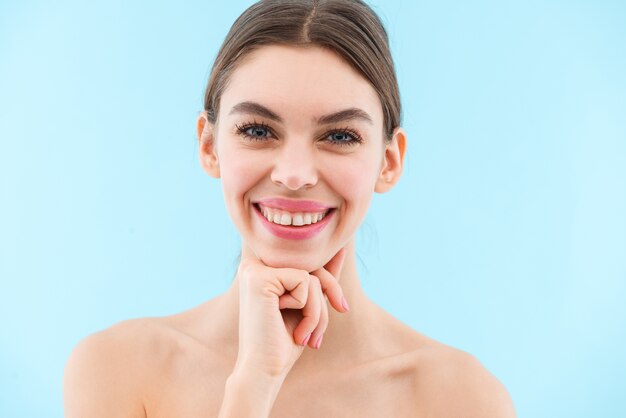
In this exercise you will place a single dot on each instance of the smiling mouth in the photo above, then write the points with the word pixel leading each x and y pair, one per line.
pixel 291 220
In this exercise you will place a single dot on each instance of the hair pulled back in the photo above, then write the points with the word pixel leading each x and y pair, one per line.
pixel 350 28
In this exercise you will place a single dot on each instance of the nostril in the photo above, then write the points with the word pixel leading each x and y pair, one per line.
pixel 293 181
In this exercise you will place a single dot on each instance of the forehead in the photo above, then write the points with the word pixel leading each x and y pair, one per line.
pixel 300 80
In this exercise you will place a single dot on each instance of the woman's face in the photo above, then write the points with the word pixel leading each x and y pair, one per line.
pixel 282 133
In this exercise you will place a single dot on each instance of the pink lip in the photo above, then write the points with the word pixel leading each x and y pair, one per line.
pixel 294 232
pixel 294 205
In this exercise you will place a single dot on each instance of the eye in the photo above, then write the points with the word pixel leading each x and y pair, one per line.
pixel 344 137
pixel 258 131
pixel 254 131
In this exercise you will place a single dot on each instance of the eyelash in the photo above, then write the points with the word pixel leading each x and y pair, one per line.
pixel 356 137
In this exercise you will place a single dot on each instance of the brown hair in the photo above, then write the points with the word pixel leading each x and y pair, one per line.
pixel 350 28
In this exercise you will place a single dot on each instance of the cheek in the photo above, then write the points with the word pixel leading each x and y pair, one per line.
pixel 238 170
pixel 354 180
pixel 239 174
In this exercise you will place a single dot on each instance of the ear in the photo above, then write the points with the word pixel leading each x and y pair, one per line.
pixel 207 149
pixel 392 162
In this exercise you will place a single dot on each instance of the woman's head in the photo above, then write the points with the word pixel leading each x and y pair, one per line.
pixel 347 27
pixel 297 121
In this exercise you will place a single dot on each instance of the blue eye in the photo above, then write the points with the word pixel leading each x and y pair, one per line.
pixel 345 137
pixel 340 136
pixel 255 131
pixel 259 132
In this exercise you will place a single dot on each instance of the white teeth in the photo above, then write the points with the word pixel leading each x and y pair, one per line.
pixel 285 218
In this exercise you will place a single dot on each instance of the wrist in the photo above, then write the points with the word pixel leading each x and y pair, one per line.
pixel 249 393
pixel 246 376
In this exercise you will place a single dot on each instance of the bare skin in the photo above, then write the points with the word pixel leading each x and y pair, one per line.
pixel 369 365
pixel 199 363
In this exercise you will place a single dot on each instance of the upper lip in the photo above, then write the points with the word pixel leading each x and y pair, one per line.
pixel 294 205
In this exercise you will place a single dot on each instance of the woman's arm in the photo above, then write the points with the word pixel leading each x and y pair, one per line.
pixel 452 383
pixel 100 380
pixel 249 395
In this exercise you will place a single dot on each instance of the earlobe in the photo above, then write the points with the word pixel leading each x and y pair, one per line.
pixel 392 163
pixel 206 146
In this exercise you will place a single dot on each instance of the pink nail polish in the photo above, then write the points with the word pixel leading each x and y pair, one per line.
pixel 344 303
pixel 306 340
pixel 318 343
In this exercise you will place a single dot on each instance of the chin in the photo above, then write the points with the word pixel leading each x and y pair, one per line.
pixel 294 262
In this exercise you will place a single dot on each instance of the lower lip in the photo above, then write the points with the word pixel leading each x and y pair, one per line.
pixel 294 232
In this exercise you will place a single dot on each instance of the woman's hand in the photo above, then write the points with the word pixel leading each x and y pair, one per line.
pixel 271 340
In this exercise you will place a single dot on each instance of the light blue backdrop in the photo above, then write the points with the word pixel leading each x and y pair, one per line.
pixel 506 237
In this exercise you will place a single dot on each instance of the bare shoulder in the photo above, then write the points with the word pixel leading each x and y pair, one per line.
pixel 453 383
pixel 106 372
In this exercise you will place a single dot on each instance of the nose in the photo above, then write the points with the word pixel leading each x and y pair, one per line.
pixel 294 166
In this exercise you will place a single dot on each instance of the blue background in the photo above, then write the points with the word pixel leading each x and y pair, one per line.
pixel 506 236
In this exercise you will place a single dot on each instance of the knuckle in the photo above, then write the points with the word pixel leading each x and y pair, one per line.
pixel 301 299
pixel 273 287
pixel 314 281
pixel 323 321
pixel 247 269
pixel 302 296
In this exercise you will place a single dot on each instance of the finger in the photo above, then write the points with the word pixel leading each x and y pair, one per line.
pixel 335 265
pixel 288 301
pixel 310 312
pixel 291 286
pixel 316 336
pixel 331 289
pixel 328 276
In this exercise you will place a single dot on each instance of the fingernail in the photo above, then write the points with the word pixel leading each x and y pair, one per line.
pixel 319 341
pixel 306 340
pixel 344 303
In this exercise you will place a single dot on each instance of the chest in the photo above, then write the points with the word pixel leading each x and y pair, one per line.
pixel 366 393
pixel 377 391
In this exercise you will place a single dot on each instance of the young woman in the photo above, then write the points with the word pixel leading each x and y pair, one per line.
pixel 301 125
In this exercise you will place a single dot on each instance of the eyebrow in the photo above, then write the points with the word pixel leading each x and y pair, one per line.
pixel 342 115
